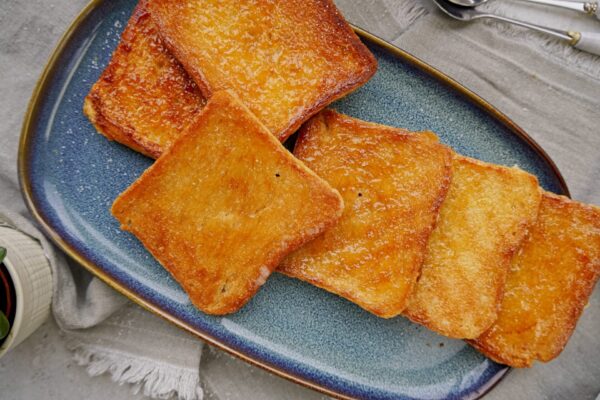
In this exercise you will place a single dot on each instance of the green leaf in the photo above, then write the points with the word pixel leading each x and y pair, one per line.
pixel 2 254
pixel 4 325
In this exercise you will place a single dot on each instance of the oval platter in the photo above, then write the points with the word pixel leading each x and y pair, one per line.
pixel 70 176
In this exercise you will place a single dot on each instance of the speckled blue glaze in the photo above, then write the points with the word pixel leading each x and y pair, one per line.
pixel 75 174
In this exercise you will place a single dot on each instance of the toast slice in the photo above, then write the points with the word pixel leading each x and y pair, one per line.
pixel 393 183
pixel 144 98
pixel 483 221
pixel 286 60
pixel 549 284
pixel 224 204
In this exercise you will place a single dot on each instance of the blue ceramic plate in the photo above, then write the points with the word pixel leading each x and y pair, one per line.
pixel 71 175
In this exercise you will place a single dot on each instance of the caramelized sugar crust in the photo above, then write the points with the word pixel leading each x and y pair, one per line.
pixel 483 221
pixel 224 204
pixel 144 98
pixel 549 283
pixel 285 59
pixel 393 183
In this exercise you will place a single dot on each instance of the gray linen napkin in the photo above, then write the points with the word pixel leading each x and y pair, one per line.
pixel 550 90
pixel 109 335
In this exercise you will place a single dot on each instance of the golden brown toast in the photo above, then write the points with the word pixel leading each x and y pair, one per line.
pixel 224 204
pixel 286 60
pixel 393 183
pixel 549 284
pixel 144 98
pixel 483 221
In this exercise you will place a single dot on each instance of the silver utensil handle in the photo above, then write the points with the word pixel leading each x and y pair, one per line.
pixel 586 41
pixel 590 7
pixel 550 31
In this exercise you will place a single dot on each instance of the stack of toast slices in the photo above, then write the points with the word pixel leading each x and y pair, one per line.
pixel 391 220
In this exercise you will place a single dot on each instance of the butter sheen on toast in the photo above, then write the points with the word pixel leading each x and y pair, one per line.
pixel 144 98
pixel 393 183
pixel 483 221
pixel 549 284
pixel 286 60
pixel 224 204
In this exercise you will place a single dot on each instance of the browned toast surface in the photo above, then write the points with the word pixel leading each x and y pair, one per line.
pixel 286 60
pixel 483 221
pixel 144 98
pixel 224 204
pixel 549 284
pixel 393 183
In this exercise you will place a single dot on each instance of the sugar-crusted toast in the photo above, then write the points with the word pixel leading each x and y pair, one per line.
pixel 393 183
pixel 144 98
pixel 286 60
pixel 548 285
pixel 483 221
pixel 224 204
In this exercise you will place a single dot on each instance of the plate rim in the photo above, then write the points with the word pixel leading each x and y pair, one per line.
pixel 27 193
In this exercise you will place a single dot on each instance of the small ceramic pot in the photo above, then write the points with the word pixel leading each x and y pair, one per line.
pixel 7 296
pixel 31 277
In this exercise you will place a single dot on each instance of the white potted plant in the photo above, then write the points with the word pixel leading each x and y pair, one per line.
pixel 26 284
pixel 6 299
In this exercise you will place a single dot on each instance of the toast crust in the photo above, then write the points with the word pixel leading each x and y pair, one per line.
pixel 144 98
pixel 224 204
pixel 286 60
pixel 393 183
pixel 483 221
pixel 549 284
